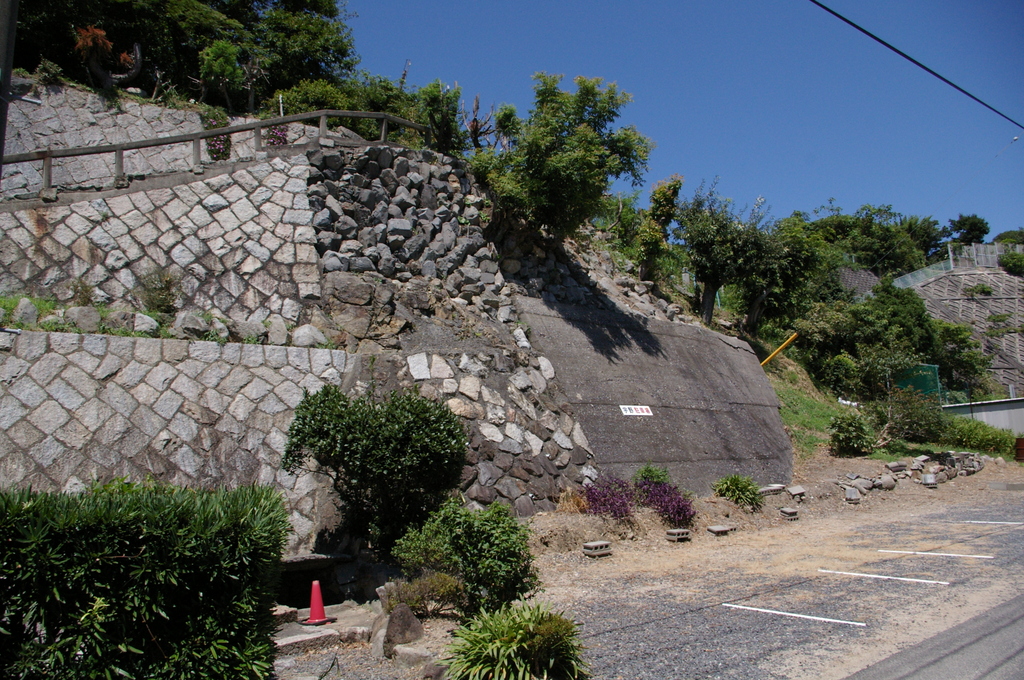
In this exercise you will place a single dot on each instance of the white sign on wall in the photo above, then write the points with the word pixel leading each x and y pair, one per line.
pixel 636 410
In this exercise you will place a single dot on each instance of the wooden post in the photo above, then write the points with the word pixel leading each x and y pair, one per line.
pixel 257 139
pixel 323 125
pixel 118 164
pixel 383 129
pixel 47 170
pixel 197 155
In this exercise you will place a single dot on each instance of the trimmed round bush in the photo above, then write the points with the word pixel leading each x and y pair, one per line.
pixel 391 462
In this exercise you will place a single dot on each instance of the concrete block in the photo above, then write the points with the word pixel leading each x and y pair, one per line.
pixel 677 535
pixel 597 548
pixel 720 529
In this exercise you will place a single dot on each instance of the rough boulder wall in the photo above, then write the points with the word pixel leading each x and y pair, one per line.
pixel 713 411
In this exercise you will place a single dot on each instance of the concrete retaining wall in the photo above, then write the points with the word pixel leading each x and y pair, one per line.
pixel 713 411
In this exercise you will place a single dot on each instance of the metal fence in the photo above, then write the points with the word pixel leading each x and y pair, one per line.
pixel 974 256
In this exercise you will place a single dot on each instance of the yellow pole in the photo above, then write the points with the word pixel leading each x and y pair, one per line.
pixel 781 347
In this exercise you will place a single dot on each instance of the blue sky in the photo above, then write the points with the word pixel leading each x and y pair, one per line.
pixel 779 99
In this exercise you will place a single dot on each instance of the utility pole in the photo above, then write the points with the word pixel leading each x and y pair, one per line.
pixel 8 29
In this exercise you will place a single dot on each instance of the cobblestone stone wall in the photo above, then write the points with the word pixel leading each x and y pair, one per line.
pixel 70 117
pixel 243 242
pixel 78 408
pixel 75 409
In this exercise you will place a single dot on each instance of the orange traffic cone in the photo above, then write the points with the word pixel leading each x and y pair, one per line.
pixel 317 616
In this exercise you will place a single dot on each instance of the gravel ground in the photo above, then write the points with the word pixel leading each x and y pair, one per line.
pixel 654 609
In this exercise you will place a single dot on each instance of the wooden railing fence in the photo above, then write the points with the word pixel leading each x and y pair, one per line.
pixel 257 127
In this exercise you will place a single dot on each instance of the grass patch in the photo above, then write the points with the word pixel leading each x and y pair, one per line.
pixel 805 412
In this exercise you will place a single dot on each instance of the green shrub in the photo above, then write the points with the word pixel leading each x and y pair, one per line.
pixel 978 289
pixel 742 491
pixel 159 291
pixel 1012 263
pixel 432 594
pixel 963 432
pixel 517 641
pixel 850 434
pixel 487 550
pixel 139 582
pixel 651 473
pixel 840 374
pixel 391 462
pixel 907 414
pixel 48 73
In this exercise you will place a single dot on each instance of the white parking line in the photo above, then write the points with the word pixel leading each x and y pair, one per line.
pixel 891 578
pixel 974 521
pixel 795 616
pixel 935 554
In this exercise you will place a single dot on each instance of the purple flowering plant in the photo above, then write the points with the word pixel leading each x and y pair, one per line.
pixel 617 498
pixel 610 496
pixel 666 500
pixel 277 135
pixel 219 148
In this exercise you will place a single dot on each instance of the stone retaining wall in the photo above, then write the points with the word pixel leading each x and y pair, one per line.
pixel 75 409
pixel 69 117
pixel 79 408
pixel 242 242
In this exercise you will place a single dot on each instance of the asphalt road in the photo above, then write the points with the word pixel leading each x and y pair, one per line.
pixel 988 647
pixel 673 628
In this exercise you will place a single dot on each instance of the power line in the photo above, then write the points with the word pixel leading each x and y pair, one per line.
pixel 916 62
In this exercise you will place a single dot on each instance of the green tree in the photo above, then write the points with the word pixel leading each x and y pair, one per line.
pixel 564 155
pixel 391 462
pixel 926 234
pixel 219 68
pixel 439 106
pixel 1013 236
pixel 968 229
pixel 289 39
pixel 875 238
pixel 715 238
pixel 780 263
pixel 303 39
pixel 962 364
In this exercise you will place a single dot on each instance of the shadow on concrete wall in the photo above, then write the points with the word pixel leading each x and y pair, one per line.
pixel 611 330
